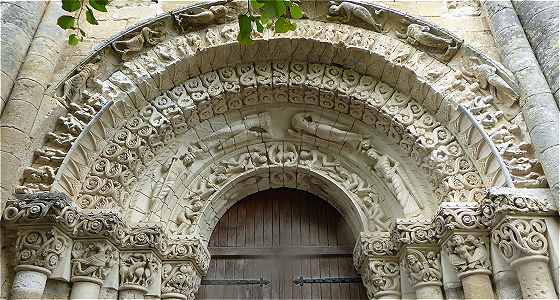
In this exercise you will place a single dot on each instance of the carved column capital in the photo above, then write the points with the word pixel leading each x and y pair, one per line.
pixel 138 270
pixel 40 249
pixel 423 265
pixel 179 280
pixel 469 253
pixel 413 232
pixel 371 245
pixel 381 277
pixel 521 238
pixel 458 217
pixel 92 260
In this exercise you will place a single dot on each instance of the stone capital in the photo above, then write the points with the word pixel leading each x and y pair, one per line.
pixel 179 280
pixel 138 270
pixel 373 245
pixel 381 277
pixel 503 202
pixel 521 238
pixel 469 253
pixel 40 248
pixel 413 232
pixel 423 266
pixel 456 217
pixel 92 260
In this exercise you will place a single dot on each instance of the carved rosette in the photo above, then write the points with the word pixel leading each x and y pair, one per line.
pixel 138 270
pixel 381 277
pixel 520 237
pixel 468 253
pixel 92 260
pixel 424 267
pixel 179 280
pixel 40 247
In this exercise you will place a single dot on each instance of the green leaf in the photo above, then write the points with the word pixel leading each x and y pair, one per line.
pixel 265 20
pixel 283 25
pixel 73 40
pixel 295 11
pixel 245 30
pixel 71 5
pixel 260 27
pixel 99 5
pixel 279 7
pixel 255 4
pixel 66 22
pixel 90 17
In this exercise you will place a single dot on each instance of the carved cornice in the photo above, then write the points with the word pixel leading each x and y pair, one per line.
pixel 458 217
pixel 413 232
pixel 373 245
pixel 57 213
pixel 520 237
pixel 506 202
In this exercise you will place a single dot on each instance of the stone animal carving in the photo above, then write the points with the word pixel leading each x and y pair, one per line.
pixel 74 86
pixel 346 11
pixel 467 253
pixel 214 15
pixel 37 179
pixel 387 168
pixel 253 126
pixel 488 78
pixel 129 47
pixel 309 125
pixel 420 36
pixel 92 260
pixel 137 269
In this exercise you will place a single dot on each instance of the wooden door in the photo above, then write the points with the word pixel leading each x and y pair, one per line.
pixel 281 244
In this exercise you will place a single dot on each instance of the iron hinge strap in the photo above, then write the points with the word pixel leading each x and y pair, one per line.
pixel 234 281
pixel 301 280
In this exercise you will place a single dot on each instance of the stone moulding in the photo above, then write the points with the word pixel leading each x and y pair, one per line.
pixel 395 18
pixel 54 209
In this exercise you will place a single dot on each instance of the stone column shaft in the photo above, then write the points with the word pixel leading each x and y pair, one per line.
pixel 29 282
pixel 85 290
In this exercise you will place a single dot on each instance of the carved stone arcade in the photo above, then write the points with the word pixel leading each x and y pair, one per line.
pixel 162 131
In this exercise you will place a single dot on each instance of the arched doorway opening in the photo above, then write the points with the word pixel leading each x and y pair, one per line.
pixel 281 244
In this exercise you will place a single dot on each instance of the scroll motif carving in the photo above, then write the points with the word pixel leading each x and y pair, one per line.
pixel 180 278
pixel 423 266
pixel 521 237
pixel 413 231
pixel 382 277
pixel 93 258
pixel 40 247
pixel 468 253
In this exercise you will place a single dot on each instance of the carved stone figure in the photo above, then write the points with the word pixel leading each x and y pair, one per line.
pixel 92 259
pixel 49 156
pixel 420 36
pixel 188 216
pixel 137 269
pixel 423 266
pixel 387 168
pixel 129 47
pixel 83 112
pixel 346 11
pixel 467 253
pixel 71 124
pixel 214 15
pixel 38 179
pixel 488 78
pixel 180 279
pixel 309 125
pixel 74 86
pixel 253 126
pixel 61 139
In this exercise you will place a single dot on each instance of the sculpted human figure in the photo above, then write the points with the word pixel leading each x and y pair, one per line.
pixel 214 15
pixel 50 156
pixel 487 78
pixel 308 124
pixel 468 253
pixel 74 86
pixel 387 168
pixel 127 48
pixel 189 215
pixel 419 35
pixel 61 139
pixel 39 179
pixel 347 10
